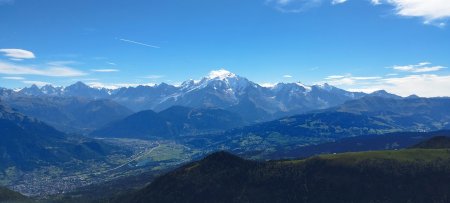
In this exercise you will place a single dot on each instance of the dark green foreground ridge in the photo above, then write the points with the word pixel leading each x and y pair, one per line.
pixel 412 175
pixel 10 196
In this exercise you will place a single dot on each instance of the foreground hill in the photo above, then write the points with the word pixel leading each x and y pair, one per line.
pixel 70 114
pixel 414 175
pixel 173 122
pixel 9 196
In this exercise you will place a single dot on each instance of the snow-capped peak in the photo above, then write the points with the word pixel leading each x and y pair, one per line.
pixel 325 86
pixel 307 88
pixel 221 74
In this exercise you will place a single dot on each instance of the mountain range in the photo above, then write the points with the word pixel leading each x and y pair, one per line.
pixel 69 114
pixel 220 89
pixel 39 126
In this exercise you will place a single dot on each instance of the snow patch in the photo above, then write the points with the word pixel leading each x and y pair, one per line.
pixel 221 74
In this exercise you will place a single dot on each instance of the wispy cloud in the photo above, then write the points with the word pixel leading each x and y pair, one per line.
pixel 53 70
pixel 293 6
pixel 431 11
pixel 419 82
pixel 298 6
pixel 18 54
pixel 376 2
pixel 105 70
pixel 334 2
pixel 138 43
pixel 419 68
pixel 117 85
pixel 287 76
pixel 426 85
pixel 348 79
pixel 13 78
pixel 38 83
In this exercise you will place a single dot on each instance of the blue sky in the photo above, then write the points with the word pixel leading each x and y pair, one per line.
pixel 402 46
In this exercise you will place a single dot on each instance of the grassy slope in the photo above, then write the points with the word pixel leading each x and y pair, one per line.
pixel 416 175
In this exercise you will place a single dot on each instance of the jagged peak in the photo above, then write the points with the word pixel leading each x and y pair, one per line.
pixel 79 84
pixel 384 93
pixel 380 92
pixel 324 86
pixel 34 86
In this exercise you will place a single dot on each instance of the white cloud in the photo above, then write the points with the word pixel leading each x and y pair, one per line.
pixel 433 12
pixel 376 2
pixel 61 63
pixel 430 11
pixel 287 76
pixel 52 70
pixel 13 78
pixel 105 70
pixel 116 85
pixel 425 85
pixel 18 54
pixel 366 78
pixel 419 68
pixel 139 43
pixel 419 82
pixel 331 77
pixel 349 79
pixel 37 83
pixel 342 81
pixel 334 2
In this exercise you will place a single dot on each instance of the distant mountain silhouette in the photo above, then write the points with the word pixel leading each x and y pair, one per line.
pixel 171 123
pixel 70 114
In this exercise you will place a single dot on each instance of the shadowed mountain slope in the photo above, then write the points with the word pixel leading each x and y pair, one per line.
pixel 418 175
